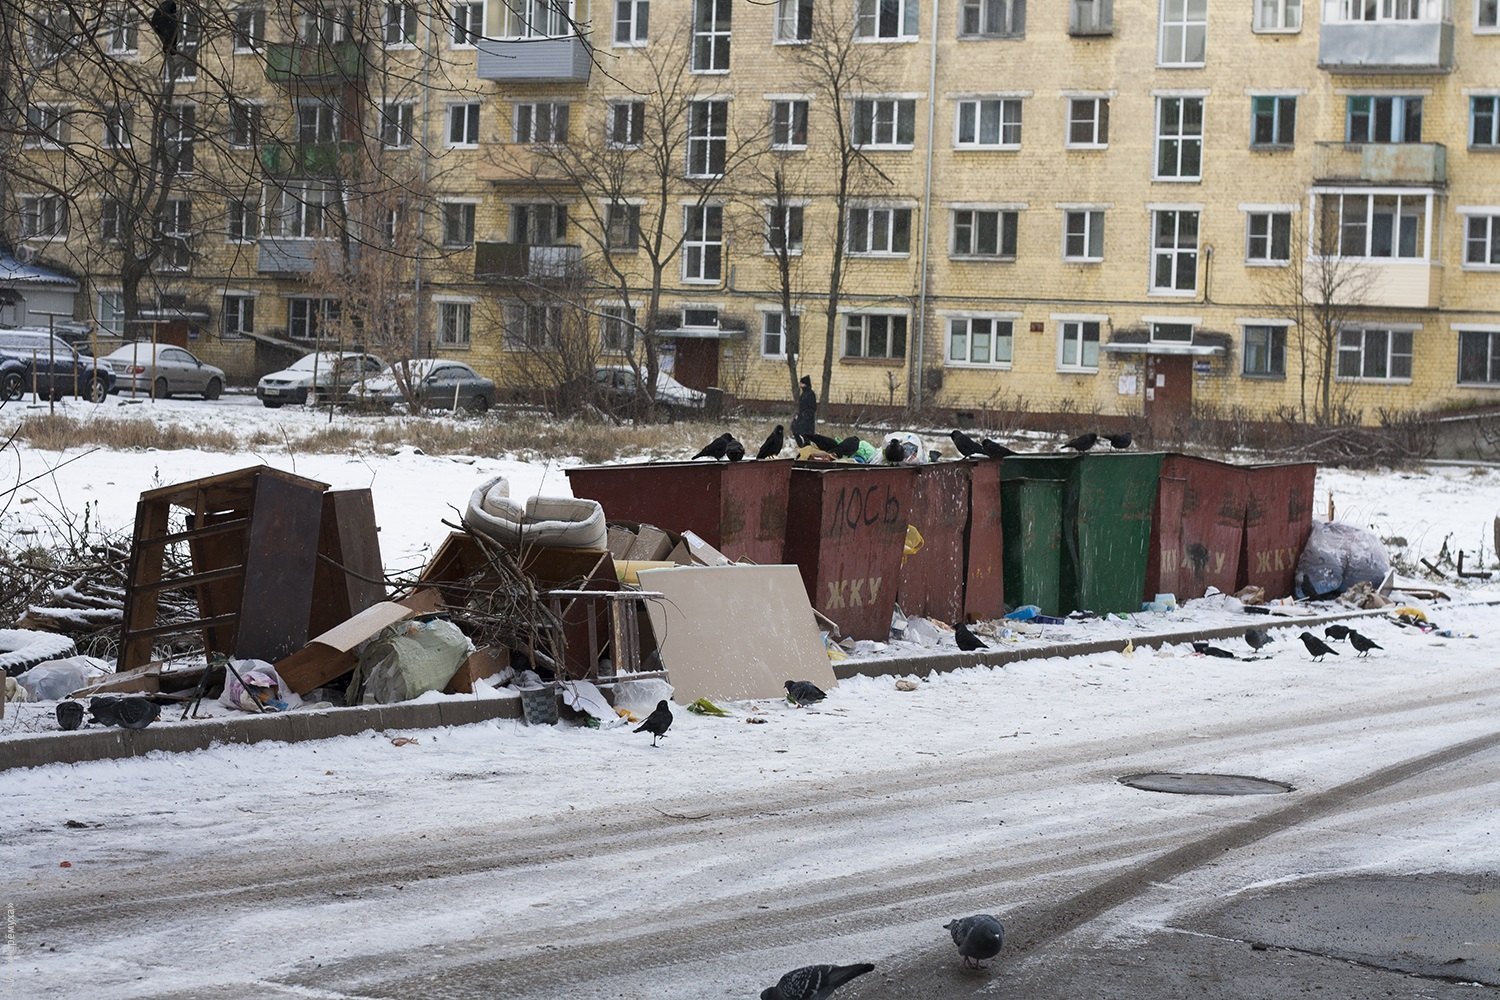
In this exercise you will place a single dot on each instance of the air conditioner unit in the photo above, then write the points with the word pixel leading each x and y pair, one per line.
pixel 25 254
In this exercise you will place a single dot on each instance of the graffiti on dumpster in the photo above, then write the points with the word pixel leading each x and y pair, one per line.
pixel 1196 557
pixel 860 507
pixel 855 593
pixel 1277 560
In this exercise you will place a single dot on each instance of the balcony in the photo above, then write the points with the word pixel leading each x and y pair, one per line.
pixel 1386 46
pixel 556 60
pixel 286 256
pixel 1424 163
pixel 1376 284
pixel 525 261
pixel 314 159
pixel 314 62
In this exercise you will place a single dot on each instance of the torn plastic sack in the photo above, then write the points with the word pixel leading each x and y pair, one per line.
pixel 1337 556
pixel 262 690
pixel 408 659
pixel 56 679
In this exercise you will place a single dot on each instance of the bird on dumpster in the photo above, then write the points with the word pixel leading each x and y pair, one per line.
pixel 1083 442
pixel 846 448
pixel 1118 442
pixel 1257 638
pixel 823 442
pixel 978 938
pixel 716 448
pixel 967 640
pixel 773 445
pixel 658 722
pixel 966 445
pixel 994 449
pixel 1338 633
pixel 814 982
pixel 734 450
pixel 1317 647
pixel 163 22
pixel 1205 649
pixel 1362 643
pixel 804 693
pixel 894 452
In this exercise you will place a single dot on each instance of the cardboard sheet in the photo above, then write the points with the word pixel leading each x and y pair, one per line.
pixel 331 654
pixel 731 632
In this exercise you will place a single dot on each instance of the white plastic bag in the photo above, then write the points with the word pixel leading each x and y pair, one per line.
pixel 1337 556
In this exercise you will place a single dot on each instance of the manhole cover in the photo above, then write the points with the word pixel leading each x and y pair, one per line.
pixel 1204 784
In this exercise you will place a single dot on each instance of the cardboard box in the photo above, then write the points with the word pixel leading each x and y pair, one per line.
pixel 694 551
pixel 651 544
pixel 332 654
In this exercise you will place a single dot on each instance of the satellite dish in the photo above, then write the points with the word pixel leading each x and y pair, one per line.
pixel 25 254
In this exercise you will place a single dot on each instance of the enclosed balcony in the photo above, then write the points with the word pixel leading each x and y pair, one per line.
pixel 285 256
pixel 556 60
pixel 525 261
pixel 320 62
pixel 1424 163
pixel 1390 36
pixel 313 159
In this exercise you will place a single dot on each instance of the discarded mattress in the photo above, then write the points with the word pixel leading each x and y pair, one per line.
pixel 21 648
pixel 556 522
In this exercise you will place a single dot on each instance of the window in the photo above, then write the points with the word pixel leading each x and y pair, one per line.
pixel 993 122
pixel 1091 17
pixel 879 230
pixel 1268 237
pixel 532 326
pixel 301 209
pixel 1381 10
pixel 249 32
pixel 322 25
pixel 622 223
pixel 1356 224
pixel 117 122
pixel 541 123
pixel 1487 14
pixel 1174 255
pixel 784 229
pixel 1083 234
pixel 1479 357
pixel 711 36
pixel 397 124
pixel 1484 122
pixel 1078 345
pixel 886 123
pixel 538 224
pixel 454 322
pixel 1184 32
pixel 626 123
pixel 875 335
pixel 1482 241
pixel 617 329
pixel 244 123
pixel 708 138
pixel 538 19
pixel 305 318
pixel 700 317
pixel 1273 122
pixel 1384 119
pixel 1088 121
pixel 463 124
pixel 189 38
pixel 632 21
pixel 789 125
pixel 316 122
pixel 1374 353
pixel 886 18
pixel 468 24
pixel 46 126
pixel 703 243
pixel 1179 138
pixel 124 33
pixel 1171 333
pixel 992 19
pixel 43 216
pixel 1278 15
pixel 458 223
pixel 242 220
pixel 391 223
pixel 112 312
pixel 1265 351
pixel 175 226
pixel 780 333
pixel 984 232
pixel 238 316
pixel 794 20
pixel 51 33
pixel 399 25
pixel 111 219
pixel 979 340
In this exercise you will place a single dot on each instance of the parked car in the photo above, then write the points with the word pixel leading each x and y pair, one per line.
pixel 163 370
pixel 622 391
pixel 318 375
pixel 435 384
pixel 36 360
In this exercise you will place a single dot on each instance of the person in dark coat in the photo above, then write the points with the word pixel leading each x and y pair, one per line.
pixel 807 410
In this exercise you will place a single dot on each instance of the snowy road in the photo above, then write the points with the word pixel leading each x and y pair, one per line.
pixel 501 861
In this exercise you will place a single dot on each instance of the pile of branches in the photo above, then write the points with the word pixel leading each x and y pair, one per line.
pixel 1399 441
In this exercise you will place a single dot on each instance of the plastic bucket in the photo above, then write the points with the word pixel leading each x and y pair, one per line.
pixel 539 705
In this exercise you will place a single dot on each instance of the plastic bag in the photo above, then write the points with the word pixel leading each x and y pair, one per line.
pixel 1337 556
pixel 262 690
pixel 59 678
pixel 412 658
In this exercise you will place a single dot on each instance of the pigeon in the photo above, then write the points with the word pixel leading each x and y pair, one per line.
pixel 804 693
pixel 967 640
pixel 716 448
pixel 846 448
pixel 827 444
pixel 1118 442
pixel 1257 638
pixel 733 450
pixel 1338 633
pixel 966 445
pixel 978 937
pixel 1083 442
pixel 774 443
pixel 1362 643
pixel 164 23
pixel 1204 649
pixel 658 722
pixel 1317 647
pixel 994 449
pixel 814 982
pixel 894 452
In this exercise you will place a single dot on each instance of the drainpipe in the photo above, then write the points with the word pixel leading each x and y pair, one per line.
pixel 921 339
pixel 421 201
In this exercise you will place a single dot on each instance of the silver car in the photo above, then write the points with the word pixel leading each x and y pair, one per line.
pixel 431 383
pixel 316 376
pixel 162 370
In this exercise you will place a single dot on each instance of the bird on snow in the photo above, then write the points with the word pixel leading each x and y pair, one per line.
pixel 967 640
pixel 1083 442
pixel 716 448
pixel 1206 649
pixel 164 23
pixel 1118 441
pixel 894 452
pixel 846 447
pixel 1362 643
pixel 804 693
pixel 823 442
pixel 1337 633
pixel 994 449
pixel 733 450
pixel 966 445
pixel 658 722
pixel 1317 647
pixel 774 443
pixel 814 982
pixel 978 937
pixel 1257 638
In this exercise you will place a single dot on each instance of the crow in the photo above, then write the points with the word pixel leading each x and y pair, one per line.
pixel 814 982
pixel 1205 649
pixel 966 445
pixel 716 448
pixel 774 443
pixel 846 448
pixel 733 450
pixel 978 937
pixel 164 23
pixel 827 444
pixel 994 449
pixel 1118 441
pixel 967 640
pixel 1338 633
pixel 658 722
pixel 1083 442
pixel 894 452
pixel 1257 638
pixel 1317 647
pixel 804 693
pixel 1363 644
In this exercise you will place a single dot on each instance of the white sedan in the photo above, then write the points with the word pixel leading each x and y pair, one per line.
pixel 162 370
pixel 318 375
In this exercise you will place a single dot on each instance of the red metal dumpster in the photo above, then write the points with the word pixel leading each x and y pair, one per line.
pixel 1197 537
pixel 1278 519
pixel 737 507
pixel 984 564
pixel 845 530
pixel 932 579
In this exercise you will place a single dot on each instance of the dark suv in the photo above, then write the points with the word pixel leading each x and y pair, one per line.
pixel 37 361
